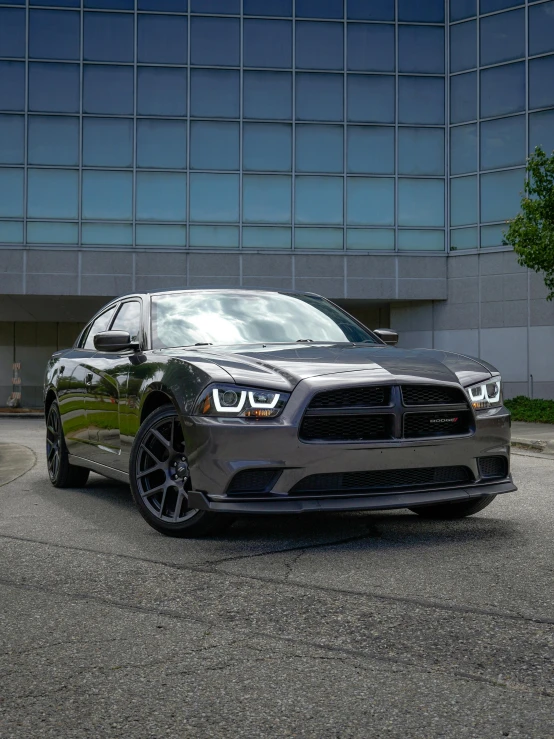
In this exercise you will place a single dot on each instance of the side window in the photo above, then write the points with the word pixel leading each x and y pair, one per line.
pixel 128 319
pixel 101 324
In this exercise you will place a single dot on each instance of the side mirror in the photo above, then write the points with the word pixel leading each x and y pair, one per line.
pixel 387 335
pixel 114 341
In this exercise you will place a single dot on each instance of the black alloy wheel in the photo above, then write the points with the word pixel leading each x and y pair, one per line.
pixel 457 509
pixel 160 479
pixel 61 473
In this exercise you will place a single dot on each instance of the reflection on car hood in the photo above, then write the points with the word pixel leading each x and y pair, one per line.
pixel 284 366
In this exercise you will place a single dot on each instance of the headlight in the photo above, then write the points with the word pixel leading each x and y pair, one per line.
pixel 486 395
pixel 233 401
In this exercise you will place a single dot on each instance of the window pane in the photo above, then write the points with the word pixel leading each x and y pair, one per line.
pixel 460 9
pixel 365 239
pixel 12 85
pixel 162 91
pixel 215 41
pixel 116 234
pixel 421 151
pixel 107 142
pixel 110 4
pixel 61 3
pixel 420 202
pixel 214 93
pixel 128 319
pixel 214 197
pixel 489 6
pixel 161 196
pixel 261 237
pixel 108 195
pixel 492 236
pixel 11 232
pixel 503 90
pixel 267 147
pixel 161 144
pixel 541 90
pixel 268 7
pixel 54 34
pixel 464 238
pixel 162 39
pixel 53 140
pixel 319 149
pixel 421 49
pixel 503 142
pixel 319 8
pixel 215 6
pixel 169 6
pixel 319 200
pixel 52 193
pixel 52 233
pixel 377 10
pixel 463 97
pixel 268 95
pixel 108 89
pixel 267 43
pixel 12 139
pixel 319 97
pixel 463 201
pixel 150 235
pixel 370 201
pixel 421 240
pixel 501 194
pixel 319 45
pixel 214 145
pixel 431 11
pixel 463 149
pixel 541 131
pixel 12 32
pixel 319 238
pixel 371 47
pixel 463 46
pixel 266 198
pixel 502 37
pixel 370 150
pixel 370 99
pixel 214 237
pixel 52 88
pixel 108 37
pixel 421 100
pixel 541 28
pixel 11 192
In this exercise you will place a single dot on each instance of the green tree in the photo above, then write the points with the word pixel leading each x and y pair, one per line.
pixel 531 232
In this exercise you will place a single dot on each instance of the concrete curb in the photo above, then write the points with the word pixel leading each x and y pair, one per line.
pixel 38 414
pixel 535 445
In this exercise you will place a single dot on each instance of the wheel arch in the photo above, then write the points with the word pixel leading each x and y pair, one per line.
pixel 48 400
pixel 156 398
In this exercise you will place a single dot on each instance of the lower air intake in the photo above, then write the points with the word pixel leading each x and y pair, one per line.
pixel 493 467
pixel 253 481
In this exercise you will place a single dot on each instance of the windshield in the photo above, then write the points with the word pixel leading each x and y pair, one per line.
pixel 230 317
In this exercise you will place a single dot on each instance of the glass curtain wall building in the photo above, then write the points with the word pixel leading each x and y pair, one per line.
pixel 270 124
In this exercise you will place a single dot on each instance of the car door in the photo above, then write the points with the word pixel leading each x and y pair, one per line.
pixel 77 370
pixel 107 389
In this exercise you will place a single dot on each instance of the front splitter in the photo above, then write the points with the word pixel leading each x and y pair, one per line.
pixel 285 504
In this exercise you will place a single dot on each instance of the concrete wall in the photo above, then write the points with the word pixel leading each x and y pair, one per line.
pixel 496 310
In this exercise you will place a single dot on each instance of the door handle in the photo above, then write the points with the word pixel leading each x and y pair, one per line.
pixel 88 378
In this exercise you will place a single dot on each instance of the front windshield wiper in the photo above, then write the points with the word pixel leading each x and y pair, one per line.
pixel 304 341
pixel 207 343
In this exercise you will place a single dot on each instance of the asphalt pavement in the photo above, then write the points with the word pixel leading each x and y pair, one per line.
pixel 333 626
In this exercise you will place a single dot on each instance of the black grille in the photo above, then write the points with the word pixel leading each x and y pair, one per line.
pixel 385 480
pixel 354 397
pixel 253 481
pixel 436 424
pixel 432 395
pixel 493 467
pixel 346 428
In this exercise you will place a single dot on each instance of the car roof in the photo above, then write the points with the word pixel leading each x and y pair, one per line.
pixel 238 290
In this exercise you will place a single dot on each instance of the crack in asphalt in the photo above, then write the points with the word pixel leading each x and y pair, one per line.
pixel 344 651
pixel 213 569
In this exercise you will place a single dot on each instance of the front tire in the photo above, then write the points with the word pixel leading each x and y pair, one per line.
pixel 61 473
pixel 160 480
pixel 452 511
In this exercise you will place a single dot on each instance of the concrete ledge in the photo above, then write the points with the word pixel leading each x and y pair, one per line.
pixel 15 460
pixel 535 445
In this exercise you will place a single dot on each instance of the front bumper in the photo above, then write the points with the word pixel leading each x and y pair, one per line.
pixel 220 448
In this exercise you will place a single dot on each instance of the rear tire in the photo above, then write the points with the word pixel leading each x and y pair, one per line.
pixel 450 511
pixel 160 480
pixel 61 473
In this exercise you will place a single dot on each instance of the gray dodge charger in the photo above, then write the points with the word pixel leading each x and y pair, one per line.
pixel 217 403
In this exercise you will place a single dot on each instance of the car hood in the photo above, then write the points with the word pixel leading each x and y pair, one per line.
pixel 284 366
